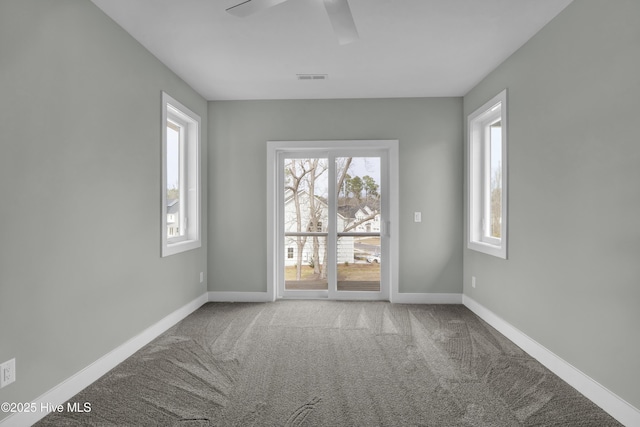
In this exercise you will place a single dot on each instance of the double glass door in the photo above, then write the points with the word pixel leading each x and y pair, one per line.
pixel 333 241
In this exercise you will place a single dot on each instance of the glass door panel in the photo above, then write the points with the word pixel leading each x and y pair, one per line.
pixel 305 263
pixel 306 221
pixel 359 222
pixel 359 270
pixel 332 241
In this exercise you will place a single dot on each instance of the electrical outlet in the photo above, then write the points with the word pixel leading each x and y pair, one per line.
pixel 201 277
pixel 417 217
pixel 7 372
pixel 473 281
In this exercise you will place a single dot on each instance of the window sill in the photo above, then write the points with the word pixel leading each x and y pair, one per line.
pixel 499 251
pixel 179 247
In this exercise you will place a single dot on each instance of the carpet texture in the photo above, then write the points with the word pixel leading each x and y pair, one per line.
pixel 331 363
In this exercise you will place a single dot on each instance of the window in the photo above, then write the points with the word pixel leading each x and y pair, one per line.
pixel 487 204
pixel 290 253
pixel 317 228
pixel 180 217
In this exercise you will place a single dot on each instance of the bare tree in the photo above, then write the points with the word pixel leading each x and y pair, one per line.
pixel 302 176
pixel 296 172
pixel 343 175
pixel 361 221
pixel 316 169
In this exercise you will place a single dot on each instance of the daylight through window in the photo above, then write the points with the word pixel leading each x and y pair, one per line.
pixel 487 177
pixel 180 177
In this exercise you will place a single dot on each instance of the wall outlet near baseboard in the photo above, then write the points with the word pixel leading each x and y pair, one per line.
pixel 201 276
pixel 7 372
pixel 473 282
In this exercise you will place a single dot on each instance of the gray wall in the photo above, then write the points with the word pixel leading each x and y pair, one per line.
pixel 80 266
pixel 572 278
pixel 430 135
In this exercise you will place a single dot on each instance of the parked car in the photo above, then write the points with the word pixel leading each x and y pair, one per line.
pixel 374 258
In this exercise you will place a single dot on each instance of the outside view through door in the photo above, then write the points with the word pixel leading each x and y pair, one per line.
pixel 355 227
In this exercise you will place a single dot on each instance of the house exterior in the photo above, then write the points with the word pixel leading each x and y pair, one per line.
pixel 318 222
pixel 173 218
pixel 367 218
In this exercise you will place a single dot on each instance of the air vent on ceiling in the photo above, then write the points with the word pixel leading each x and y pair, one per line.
pixel 312 76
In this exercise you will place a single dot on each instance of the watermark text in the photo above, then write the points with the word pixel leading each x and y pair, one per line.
pixel 20 407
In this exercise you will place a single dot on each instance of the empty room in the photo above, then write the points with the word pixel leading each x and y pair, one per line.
pixel 320 212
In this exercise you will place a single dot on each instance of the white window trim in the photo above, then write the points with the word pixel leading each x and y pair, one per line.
pixel 190 153
pixel 478 147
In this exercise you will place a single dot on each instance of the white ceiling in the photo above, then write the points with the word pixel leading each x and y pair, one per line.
pixel 407 48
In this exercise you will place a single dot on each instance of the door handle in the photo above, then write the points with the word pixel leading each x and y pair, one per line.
pixel 385 228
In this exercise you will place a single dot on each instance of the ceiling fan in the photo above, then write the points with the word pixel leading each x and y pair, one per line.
pixel 338 11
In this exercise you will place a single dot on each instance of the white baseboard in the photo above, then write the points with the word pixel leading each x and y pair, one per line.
pixel 79 381
pixel 215 296
pixel 419 298
pixel 617 407
pixel 401 298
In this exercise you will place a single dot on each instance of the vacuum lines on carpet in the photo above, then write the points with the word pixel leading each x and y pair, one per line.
pixel 331 363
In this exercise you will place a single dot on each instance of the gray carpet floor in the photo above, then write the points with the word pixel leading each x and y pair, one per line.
pixel 331 363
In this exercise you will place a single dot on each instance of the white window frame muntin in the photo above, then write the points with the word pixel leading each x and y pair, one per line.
pixel 176 112
pixel 391 228
pixel 478 131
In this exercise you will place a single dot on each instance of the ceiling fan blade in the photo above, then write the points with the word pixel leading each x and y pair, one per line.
pixel 249 7
pixel 342 20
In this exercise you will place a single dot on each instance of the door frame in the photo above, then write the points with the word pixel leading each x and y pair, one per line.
pixel 275 150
